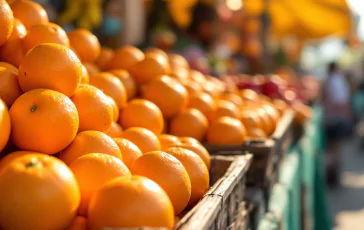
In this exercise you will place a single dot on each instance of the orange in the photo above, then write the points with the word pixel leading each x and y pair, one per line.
pixel 126 57
pixel 12 156
pixel 44 121
pixel 50 66
pixel 78 223
pixel 191 86
pixel 45 183
pixel 251 119
pixel 130 203
pixel 105 57
pixel 94 108
pixel 145 139
pixel 167 172
pixel 203 102
pixel 91 68
pixel 180 74
pixel 268 125
pixel 149 68
pixel 191 123
pixel 234 98
pixel 90 142
pixel 155 51
pixel 225 109
pixel 115 109
pixel 197 171
pixel 169 95
pixel 127 80
pixel 45 33
pixel 12 50
pixel 255 133
pixel 226 131
pixel 142 113
pixel 9 67
pixel 273 115
pixel 166 141
pixel 188 140
pixel 86 44
pixel 129 150
pixel 249 94
pixel 85 78
pixel 102 167
pixel 111 86
pixel 9 86
pixel 199 150
pixel 177 60
pixel 197 76
pixel 6 22
pixel 115 130
pixel 29 13
pixel 5 125
pixel 280 105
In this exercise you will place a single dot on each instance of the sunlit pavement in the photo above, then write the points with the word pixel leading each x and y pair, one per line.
pixel 347 200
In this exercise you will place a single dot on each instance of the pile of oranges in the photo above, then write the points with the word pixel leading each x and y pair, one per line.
pixel 94 138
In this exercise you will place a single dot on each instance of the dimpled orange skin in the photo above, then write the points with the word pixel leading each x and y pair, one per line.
pixel 43 116
pixel 78 223
pixel 5 125
pixel 145 139
pixel 129 150
pixel 85 43
pixel 9 86
pixel 203 102
pixel 111 86
pixel 94 108
pixel 115 130
pixel 50 66
pixel 103 60
pixel 46 183
pixel 167 141
pixel 6 22
pixel 225 109
pixel 115 109
pixel 142 113
pixel 130 203
pixel 29 13
pixel 191 123
pixel 226 131
pixel 127 80
pixel 168 94
pixel 85 78
pixel 197 171
pixel 9 67
pixel 199 150
pixel 125 57
pixel 90 142
pixel 103 167
pixel 12 156
pixel 167 172
pixel 12 50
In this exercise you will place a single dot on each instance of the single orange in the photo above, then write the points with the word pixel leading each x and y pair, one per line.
pixel 152 51
pixel 197 171
pixel 111 86
pixel 280 105
pixel 90 142
pixel 78 223
pixel 5 125
pixel 192 87
pixel 273 115
pixel 43 116
pixel 142 113
pixel 225 109
pixel 6 22
pixel 103 167
pixel 226 131
pixel 145 139
pixel 191 123
pixel 168 94
pixel 86 44
pixel 127 80
pixel 167 141
pixel 46 183
pixel 91 68
pixel 255 133
pixel 177 60
pixel 9 67
pixel 197 76
pixel 234 98
pixel 149 68
pixel 12 156
pixel 129 150
pixel 50 66
pixel 199 150
pixel 251 119
pixel 115 109
pixel 188 140
pixel 9 86
pixel 85 78
pixel 12 50
pixel 126 57
pixel 203 102
pixel 105 57
pixel 45 33
pixel 94 108
pixel 115 131
pixel 248 94
pixel 268 125
pixel 29 13
pixel 167 172
pixel 181 74
pixel 121 203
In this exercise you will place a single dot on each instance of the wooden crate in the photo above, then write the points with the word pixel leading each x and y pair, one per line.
pixel 254 196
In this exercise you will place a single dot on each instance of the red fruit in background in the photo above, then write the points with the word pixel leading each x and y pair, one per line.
pixel 273 85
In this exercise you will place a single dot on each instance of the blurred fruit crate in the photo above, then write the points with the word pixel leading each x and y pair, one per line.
pixel 254 197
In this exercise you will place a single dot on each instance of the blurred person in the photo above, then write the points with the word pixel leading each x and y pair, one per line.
pixel 337 114
pixel 199 37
